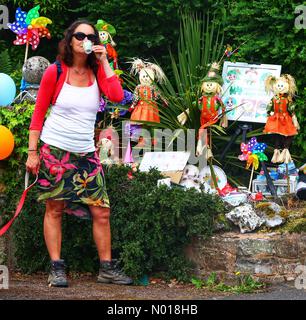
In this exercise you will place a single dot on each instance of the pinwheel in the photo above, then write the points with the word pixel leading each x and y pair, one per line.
pixel 29 28
pixel 253 153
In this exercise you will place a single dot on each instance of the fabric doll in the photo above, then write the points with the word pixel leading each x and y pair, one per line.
pixel 106 32
pixel 210 105
pixel 281 119
pixel 144 106
pixel 106 150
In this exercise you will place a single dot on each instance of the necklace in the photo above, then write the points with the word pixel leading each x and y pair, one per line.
pixel 78 72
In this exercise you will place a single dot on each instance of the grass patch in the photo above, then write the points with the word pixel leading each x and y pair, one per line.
pixel 245 284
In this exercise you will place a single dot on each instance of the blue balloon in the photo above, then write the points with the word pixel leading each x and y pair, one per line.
pixel 7 90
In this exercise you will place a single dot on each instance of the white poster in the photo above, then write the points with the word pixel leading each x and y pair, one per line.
pixel 245 84
pixel 164 161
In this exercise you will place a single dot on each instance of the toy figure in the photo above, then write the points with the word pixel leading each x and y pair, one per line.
pixel 106 32
pixel 144 106
pixel 106 151
pixel 210 104
pixel 281 119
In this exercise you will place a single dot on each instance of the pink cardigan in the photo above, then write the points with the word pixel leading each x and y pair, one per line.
pixel 50 88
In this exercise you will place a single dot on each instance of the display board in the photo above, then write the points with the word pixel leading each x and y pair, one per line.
pixel 245 84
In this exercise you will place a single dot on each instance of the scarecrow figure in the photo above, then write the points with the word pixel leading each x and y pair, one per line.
pixel 106 34
pixel 281 119
pixel 144 106
pixel 210 105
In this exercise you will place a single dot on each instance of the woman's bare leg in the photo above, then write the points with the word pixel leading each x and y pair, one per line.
pixel 53 228
pixel 102 232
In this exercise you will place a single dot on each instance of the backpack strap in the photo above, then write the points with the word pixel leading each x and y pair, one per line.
pixel 59 69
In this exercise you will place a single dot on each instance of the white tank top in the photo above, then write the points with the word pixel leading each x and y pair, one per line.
pixel 70 125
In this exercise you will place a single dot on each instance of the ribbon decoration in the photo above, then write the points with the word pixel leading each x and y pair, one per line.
pixel 29 27
pixel 4 229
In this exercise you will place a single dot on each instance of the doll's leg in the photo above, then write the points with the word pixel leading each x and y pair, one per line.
pixel 285 155
pixel 277 145
pixel 287 142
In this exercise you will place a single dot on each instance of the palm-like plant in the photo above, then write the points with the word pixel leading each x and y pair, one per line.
pixel 200 43
pixel 5 62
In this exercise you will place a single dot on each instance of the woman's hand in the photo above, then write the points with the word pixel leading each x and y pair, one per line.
pixel 100 52
pixel 33 162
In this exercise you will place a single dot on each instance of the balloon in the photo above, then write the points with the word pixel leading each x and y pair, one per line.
pixel 7 89
pixel 6 142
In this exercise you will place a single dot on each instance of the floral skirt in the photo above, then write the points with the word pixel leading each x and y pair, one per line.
pixel 75 178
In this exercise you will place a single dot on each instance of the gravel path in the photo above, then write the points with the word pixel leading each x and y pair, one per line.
pixel 85 287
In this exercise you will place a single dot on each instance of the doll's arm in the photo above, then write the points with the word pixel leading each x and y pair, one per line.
pixel 224 120
pixel 291 109
pixel 135 99
pixel 270 108
pixel 157 95
pixel 182 117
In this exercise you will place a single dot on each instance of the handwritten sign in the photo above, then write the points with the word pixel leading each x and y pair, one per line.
pixel 245 84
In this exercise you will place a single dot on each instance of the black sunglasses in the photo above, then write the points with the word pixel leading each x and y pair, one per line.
pixel 81 36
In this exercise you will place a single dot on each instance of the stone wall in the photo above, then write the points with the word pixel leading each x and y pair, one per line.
pixel 272 256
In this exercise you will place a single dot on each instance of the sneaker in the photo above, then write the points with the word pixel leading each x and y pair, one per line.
pixel 57 275
pixel 110 273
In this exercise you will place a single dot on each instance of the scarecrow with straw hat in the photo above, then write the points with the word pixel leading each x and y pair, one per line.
pixel 106 34
pixel 210 105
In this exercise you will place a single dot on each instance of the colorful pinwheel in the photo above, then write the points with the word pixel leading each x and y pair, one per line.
pixel 252 153
pixel 29 27
pixel 253 148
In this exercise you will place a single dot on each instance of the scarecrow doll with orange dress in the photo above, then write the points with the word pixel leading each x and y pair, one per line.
pixel 211 107
pixel 281 120
pixel 146 95
pixel 144 107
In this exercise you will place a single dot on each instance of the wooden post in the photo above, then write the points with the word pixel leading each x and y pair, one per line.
pixel 26 53
pixel 288 179
pixel 252 173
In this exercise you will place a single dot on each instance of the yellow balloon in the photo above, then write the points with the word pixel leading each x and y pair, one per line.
pixel 6 142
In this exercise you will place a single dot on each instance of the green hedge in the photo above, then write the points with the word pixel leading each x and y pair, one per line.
pixel 150 226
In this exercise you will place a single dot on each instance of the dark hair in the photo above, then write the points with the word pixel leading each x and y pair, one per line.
pixel 64 48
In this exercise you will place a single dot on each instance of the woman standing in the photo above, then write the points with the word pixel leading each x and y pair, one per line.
pixel 70 174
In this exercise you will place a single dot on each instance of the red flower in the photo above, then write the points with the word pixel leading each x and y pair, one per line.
pixel 56 167
pixel 44 182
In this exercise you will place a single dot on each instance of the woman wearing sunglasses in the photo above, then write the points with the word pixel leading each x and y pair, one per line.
pixel 70 176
